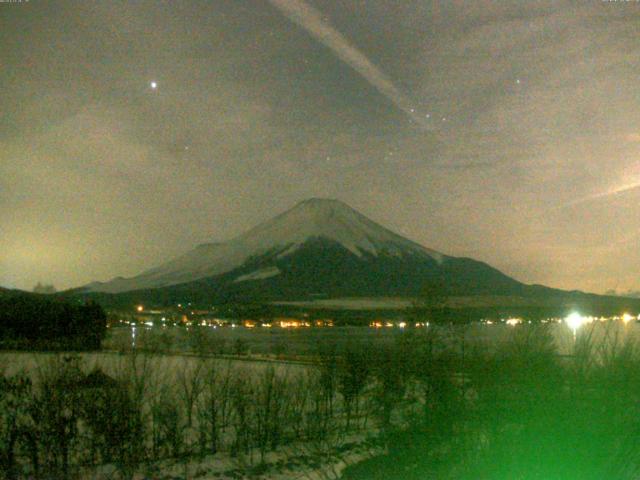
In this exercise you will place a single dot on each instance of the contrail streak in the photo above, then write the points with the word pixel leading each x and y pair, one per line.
pixel 617 190
pixel 303 14
pixel 607 193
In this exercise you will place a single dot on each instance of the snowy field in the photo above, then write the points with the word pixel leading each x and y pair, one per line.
pixel 203 416
pixel 112 363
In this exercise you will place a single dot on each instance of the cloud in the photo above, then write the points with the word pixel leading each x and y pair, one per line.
pixel 313 22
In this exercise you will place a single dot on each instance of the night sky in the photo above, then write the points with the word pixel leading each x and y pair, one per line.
pixel 505 131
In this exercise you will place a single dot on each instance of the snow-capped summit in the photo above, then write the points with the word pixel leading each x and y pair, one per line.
pixel 313 219
pixel 331 220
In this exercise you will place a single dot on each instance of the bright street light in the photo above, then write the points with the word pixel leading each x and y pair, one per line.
pixel 574 321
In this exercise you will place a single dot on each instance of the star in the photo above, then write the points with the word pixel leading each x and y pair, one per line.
pixel 154 85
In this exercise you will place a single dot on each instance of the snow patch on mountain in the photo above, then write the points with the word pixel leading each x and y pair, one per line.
pixel 259 274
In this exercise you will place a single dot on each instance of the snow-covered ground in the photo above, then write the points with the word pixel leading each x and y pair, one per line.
pixel 113 363
pixel 167 379
pixel 298 461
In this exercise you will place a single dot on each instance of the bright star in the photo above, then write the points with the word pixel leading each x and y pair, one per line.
pixel 154 85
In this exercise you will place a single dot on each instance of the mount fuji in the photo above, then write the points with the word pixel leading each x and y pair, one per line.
pixel 320 247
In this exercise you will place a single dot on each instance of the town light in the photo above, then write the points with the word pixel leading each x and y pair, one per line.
pixel 626 318
pixel 574 321
pixel 139 308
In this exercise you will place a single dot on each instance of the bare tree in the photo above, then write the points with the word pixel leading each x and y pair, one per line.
pixel 190 382
pixel 353 373
pixel 214 407
pixel 241 393
pixel 15 397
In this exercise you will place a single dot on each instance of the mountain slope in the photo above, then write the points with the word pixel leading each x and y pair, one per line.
pixel 323 249
pixel 330 220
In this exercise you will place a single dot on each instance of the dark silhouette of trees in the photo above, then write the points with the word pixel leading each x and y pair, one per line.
pixel 35 322
pixel 431 303
pixel 353 375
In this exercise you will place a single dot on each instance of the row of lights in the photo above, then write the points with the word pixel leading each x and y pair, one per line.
pixel 574 320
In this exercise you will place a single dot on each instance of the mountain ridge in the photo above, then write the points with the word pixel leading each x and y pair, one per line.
pixel 324 249
pixel 312 218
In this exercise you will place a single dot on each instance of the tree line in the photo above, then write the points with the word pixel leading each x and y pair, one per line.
pixel 36 322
